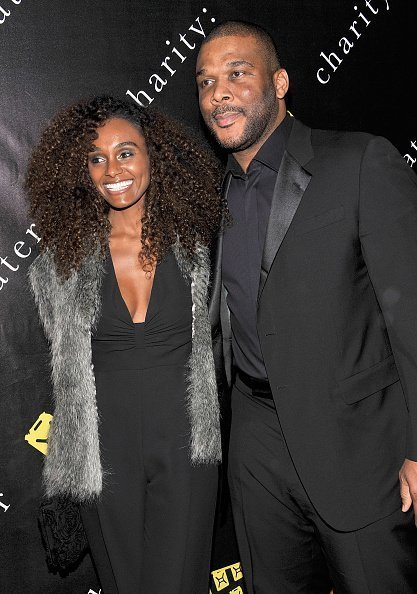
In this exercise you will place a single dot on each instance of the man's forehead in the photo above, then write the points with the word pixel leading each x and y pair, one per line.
pixel 228 51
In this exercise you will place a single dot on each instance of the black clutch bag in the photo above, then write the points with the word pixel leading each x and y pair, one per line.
pixel 62 533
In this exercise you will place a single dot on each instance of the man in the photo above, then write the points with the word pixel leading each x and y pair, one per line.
pixel 315 294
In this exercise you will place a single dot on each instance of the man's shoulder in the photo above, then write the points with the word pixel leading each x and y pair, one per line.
pixel 343 146
pixel 328 145
pixel 340 138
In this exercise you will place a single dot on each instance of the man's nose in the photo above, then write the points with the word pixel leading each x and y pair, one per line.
pixel 221 92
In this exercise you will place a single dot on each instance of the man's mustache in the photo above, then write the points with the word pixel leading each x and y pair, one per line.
pixel 226 109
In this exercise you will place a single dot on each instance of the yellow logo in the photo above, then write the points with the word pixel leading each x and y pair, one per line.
pixel 225 577
pixel 37 435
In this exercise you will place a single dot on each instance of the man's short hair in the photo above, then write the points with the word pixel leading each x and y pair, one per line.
pixel 246 29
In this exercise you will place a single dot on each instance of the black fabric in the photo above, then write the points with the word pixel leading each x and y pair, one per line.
pixel 284 545
pixel 249 201
pixel 63 534
pixel 155 518
pixel 335 318
pixel 258 387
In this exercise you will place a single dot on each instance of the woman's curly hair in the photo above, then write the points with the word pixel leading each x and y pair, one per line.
pixel 182 202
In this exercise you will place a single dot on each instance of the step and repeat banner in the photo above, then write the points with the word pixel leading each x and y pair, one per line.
pixel 352 65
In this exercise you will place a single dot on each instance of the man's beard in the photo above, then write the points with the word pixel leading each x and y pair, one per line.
pixel 259 118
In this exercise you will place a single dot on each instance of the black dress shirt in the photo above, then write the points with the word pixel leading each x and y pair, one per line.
pixel 249 202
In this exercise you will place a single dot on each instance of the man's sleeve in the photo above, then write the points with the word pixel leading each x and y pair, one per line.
pixel 388 233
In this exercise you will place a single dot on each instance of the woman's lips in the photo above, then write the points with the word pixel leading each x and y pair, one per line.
pixel 117 187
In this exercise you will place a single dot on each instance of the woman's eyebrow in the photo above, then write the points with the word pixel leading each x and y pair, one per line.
pixel 124 143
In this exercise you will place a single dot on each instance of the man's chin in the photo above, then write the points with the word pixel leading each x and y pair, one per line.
pixel 229 143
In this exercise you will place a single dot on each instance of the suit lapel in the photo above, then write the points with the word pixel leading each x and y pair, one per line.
pixel 292 181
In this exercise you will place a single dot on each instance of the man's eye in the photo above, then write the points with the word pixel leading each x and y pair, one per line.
pixel 237 73
pixel 206 82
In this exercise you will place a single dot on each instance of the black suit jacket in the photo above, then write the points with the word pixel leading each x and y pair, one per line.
pixel 337 319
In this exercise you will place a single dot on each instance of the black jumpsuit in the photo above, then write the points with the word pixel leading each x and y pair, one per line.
pixel 152 528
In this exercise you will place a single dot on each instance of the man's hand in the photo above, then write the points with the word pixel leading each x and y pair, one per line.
pixel 408 486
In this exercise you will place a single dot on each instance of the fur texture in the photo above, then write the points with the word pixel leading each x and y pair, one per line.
pixel 68 310
pixel 202 398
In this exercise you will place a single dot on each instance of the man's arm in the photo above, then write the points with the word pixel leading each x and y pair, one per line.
pixel 388 232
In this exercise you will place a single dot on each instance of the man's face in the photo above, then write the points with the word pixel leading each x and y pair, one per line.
pixel 237 92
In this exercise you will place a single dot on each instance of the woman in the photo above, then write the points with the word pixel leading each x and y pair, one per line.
pixel 126 204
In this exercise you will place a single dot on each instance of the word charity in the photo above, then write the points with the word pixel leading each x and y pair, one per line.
pixel 171 62
pixel 365 16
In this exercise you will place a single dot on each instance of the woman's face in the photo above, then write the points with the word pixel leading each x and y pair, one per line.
pixel 119 164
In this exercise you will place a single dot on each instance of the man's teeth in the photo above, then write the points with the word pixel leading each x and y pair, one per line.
pixel 119 185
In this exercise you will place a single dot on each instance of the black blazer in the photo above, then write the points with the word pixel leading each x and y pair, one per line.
pixel 337 319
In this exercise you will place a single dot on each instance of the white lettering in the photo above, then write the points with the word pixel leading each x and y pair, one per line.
pixel 5 14
pixel 3 505
pixel 320 79
pixel 347 45
pixel 200 30
pixel 175 51
pixel 3 282
pixel 30 231
pixel 344 42
pixel 183 39
pixel 329 60
pixel 409 160
pixel 6 263
pixel 136 98
pixel 365 20
pixel 352 28
pixel 159 82
pixel 368 4
pixel 165 65
pixel 18 246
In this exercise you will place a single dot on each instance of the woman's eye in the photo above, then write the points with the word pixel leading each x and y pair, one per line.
pixel 96 159
pixel 125 154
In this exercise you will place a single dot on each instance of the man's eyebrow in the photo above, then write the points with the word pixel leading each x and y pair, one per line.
pixel 233 64
pixel 240 63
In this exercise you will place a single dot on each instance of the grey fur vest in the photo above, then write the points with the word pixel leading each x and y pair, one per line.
pixel 68 311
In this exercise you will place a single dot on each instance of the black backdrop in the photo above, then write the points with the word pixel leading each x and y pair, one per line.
pixel 351 65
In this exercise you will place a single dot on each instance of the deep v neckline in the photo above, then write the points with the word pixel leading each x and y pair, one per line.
pixel 124 304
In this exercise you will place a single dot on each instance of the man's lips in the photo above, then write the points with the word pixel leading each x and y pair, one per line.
pixel 226 115
pixel 223 120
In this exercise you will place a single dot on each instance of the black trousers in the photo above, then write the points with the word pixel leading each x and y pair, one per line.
pixel 151 530
pixel 284 546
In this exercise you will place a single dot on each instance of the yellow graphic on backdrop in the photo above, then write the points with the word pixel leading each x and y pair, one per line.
pixel 37 435
pixel 225 576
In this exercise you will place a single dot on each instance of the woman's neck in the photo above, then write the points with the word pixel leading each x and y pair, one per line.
pixel 127 222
